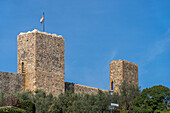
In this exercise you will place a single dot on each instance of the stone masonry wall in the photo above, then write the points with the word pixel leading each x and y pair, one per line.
pixel 86 89
pixel 26 55
pixel 50 63
pixel 130 72
pixel 41 65
pixel 123 70
pixel 43 56
pixel 116 72
pixel 11 82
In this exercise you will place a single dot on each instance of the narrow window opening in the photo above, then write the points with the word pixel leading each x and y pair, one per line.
pixel 23 67
pixel 112 86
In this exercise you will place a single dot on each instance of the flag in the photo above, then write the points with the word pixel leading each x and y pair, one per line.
pixel 42 19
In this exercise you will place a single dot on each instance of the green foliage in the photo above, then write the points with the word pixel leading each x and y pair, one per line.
pixel 25 96
pixel 80 103
pixel 11 110
pixel 125 111
pixel 1 98
pixel 74 103
pixel 40 99
pixel 8 100
pixel 43 101
pixel 126 97
pixel 28 105
pixel 154 99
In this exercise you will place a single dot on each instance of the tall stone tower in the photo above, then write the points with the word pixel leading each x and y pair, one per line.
pixel 122 70
pixel 41 57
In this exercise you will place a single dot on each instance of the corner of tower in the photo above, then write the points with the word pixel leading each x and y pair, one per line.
pixel 41 56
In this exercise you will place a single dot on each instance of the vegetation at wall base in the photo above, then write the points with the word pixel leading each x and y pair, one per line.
pixel 28 106
pixel 11 110
pixel 130 100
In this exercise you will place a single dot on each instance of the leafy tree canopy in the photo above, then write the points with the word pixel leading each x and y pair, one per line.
pixel 154 99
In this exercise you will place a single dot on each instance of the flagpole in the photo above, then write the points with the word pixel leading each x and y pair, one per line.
pixel 44 23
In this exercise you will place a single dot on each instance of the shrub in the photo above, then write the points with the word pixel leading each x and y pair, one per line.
pixel 11 110
pixel 28 105
pixel 10 100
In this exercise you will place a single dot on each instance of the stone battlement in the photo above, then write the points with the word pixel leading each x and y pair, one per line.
pixel 114 61
pixel 45 33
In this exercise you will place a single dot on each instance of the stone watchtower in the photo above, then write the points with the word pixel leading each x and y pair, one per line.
pixel 122 70
pixel 41 57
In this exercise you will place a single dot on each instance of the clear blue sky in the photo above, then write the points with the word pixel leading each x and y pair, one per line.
pixel 96 32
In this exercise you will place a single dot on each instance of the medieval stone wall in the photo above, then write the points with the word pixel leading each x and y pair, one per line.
pixel 43 56
pixel 41 65
pixel 11 82
pixel 116 72
pixel 76 88
pixel 86 89
pixel 26 58
pixel 50 63
pixel 120 71
pixel 130 72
